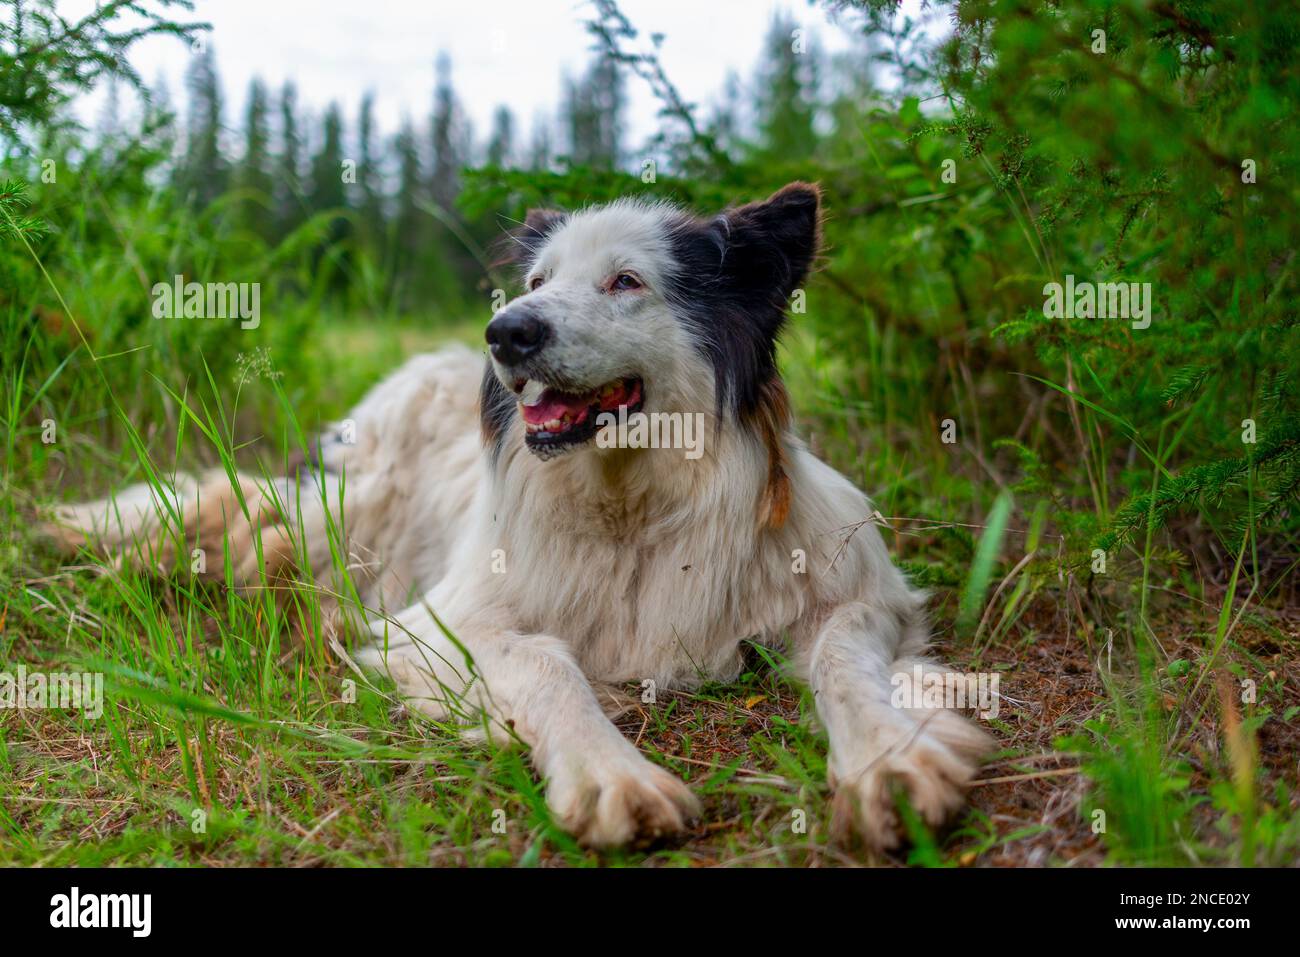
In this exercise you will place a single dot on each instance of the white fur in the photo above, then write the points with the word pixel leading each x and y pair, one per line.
pixel 617 565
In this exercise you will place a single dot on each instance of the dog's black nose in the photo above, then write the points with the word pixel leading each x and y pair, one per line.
pixel 515 334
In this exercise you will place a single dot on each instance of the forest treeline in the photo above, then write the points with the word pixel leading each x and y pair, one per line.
pixel 387 203
pixel 1104 505
pixel 1008 147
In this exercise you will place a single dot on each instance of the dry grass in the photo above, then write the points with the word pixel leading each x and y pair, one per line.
pixel 749 750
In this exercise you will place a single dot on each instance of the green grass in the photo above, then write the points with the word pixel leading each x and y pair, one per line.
pixel 226 738
pixel 1161 689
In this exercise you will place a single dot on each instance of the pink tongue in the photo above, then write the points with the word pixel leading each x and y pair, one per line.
pixel 553 405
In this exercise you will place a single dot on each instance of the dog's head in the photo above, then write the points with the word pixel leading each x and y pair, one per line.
pixel 644 307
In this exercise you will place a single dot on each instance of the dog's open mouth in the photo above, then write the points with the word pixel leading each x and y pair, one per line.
pixel 554 420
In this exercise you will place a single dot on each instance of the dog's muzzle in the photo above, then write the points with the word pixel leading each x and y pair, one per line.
pixel 516 334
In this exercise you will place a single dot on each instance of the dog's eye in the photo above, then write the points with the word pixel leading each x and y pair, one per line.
pixel 624 282
pixel 535 282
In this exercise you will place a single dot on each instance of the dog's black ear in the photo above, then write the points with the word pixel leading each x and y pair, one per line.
pixel 772 244
pixel 733 278
pixel 519 246
pixel 539 222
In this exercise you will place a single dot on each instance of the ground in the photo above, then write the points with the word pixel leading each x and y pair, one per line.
pixel 230 739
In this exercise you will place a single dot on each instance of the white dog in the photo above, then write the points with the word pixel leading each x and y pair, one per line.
pixel 515 555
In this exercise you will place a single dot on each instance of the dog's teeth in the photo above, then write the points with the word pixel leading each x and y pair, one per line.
pixel 531 393
pixel 554 425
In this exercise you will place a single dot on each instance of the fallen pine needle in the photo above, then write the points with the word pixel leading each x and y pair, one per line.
pixel 1009 778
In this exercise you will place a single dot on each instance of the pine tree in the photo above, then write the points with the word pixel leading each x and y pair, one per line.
pixel 500 147
pixel 369 173
pixel 444 256
pixel 160 104
pixel 593 113
pixel 787 91
pixel 409 236
pixel 325 189
pixel 856 97
pixel 725 123
pixel 254 174
pixel 575 111
pixel 539 150
pixel 46 59
pixel 109 125
pixel 289 200
pixel 205 174
pixel 609 96
pixel 447 139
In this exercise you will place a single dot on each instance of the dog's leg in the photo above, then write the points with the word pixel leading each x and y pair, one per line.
pixel 854 666
pixel 139 524
pixel 600 787
pixel 168 526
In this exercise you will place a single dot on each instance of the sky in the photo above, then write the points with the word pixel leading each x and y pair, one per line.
pixel 511 52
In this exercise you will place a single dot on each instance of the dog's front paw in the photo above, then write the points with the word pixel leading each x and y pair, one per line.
pixel 611 801
pixel 933 764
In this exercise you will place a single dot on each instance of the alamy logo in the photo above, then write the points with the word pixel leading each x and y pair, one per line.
pixel 1102 300
pixel 134 911
pixel 651 430
pixel 39 691
pixel 946 689
pixel 212 300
